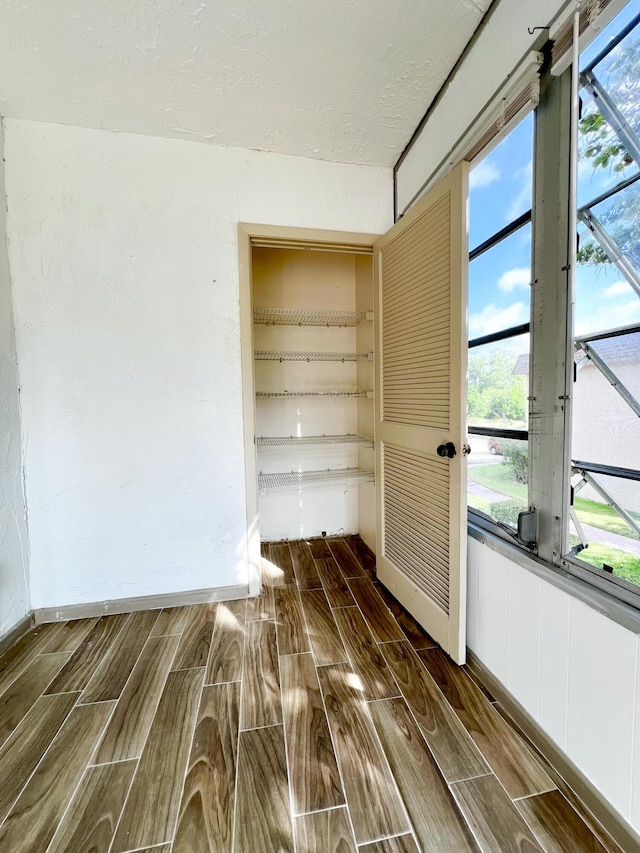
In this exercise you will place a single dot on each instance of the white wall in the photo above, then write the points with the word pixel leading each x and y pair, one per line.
pixel 574 670
pixel 14 593
pixel 124 256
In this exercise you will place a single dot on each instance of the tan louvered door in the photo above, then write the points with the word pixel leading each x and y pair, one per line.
pixel 421 298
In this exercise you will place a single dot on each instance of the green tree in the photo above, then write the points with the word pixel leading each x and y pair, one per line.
pixel 494 392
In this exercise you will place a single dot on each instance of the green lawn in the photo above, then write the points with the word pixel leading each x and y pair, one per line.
pixel 479 503
pixel 499 478
pixel 625 565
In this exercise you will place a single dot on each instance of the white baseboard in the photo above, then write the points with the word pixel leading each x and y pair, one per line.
pixel 143 602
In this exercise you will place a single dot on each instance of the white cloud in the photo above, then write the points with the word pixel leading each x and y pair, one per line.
pixel 610 317
pixel 483 174
pixel 619 288
pixel 522 201
pixel 515 278
pixel 492 319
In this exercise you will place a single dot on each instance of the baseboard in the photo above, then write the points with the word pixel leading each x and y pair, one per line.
pixel 587 793
pixel 143 602
pixel 16 632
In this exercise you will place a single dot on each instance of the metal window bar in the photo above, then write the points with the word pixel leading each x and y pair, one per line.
pixel 607 194
pixel 586 470
pixel 312 440
pixel 582 536
pixel 503 335
pixel 306 317
pixel 614 253
pixel 609 375
pixel 605 470
pixel 612 44
pixel 633 328
pixel 498 432
pixel 605 104
pixel 500 235
pixel 313 479
pixel 282 355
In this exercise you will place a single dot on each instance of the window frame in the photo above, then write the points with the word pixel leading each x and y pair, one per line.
pixel 551 375
pixel 475 516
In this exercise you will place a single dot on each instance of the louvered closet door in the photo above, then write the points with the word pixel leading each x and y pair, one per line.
pixel 421 297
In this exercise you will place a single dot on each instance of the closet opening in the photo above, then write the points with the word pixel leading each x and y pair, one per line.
pixel 308 376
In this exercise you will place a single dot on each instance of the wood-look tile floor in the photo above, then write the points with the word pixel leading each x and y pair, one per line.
pixel 318 717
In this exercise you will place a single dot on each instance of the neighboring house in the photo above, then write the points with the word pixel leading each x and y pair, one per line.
pixel 605 429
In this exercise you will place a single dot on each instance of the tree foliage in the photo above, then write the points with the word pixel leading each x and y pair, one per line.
pixel 515 454
pixel 494 392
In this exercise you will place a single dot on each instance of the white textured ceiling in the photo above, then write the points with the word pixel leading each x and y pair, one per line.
pixel 342 80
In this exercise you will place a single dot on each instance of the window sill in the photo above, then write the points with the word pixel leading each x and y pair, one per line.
pixel 623 614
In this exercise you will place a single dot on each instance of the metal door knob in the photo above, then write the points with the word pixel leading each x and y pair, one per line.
pixel 446 451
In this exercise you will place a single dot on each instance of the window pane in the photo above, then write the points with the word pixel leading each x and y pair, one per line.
pixel 604 299
pixel 604 37
pixel 497 478
pixel 619 73
pixel 609 540
pixel 499 285
pixel 600 168
pixel 500 186
pixel 620 217
pixel 498 384
pixel 622 355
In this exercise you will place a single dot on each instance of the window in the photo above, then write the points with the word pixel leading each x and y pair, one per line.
pixel 499 310
pixel 604 502
pixel 560 330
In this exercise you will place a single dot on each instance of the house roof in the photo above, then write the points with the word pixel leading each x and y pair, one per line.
pixel 341 80
pixel 622 349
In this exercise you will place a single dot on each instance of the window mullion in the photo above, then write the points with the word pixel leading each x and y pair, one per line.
pixel 551 321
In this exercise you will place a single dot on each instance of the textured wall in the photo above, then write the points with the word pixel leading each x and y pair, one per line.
pixel 14 594
pixel 125 262
pixel 341 80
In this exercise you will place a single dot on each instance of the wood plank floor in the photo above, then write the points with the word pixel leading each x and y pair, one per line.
pixel 317 718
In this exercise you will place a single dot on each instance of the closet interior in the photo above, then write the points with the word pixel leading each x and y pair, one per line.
pixel 313 380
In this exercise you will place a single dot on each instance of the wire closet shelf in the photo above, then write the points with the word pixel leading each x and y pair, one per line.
pixel 306 317
pixel 278 441
pixel 288 355
pixel 286 481
pixel 266 395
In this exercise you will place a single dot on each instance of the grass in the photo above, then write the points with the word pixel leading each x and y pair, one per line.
pixel 499 478
pixel 479 503
pixel 625 565
pixel 604 517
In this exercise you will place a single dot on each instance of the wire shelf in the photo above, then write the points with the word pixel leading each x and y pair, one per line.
pixel 265 395
pixel 306 317
pixel 313 479
pixel 312 440
pixel 282 355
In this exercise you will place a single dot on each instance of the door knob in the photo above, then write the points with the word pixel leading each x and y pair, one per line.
pixel 447 451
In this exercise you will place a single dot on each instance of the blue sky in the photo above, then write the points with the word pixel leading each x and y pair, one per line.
pixel 500 190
